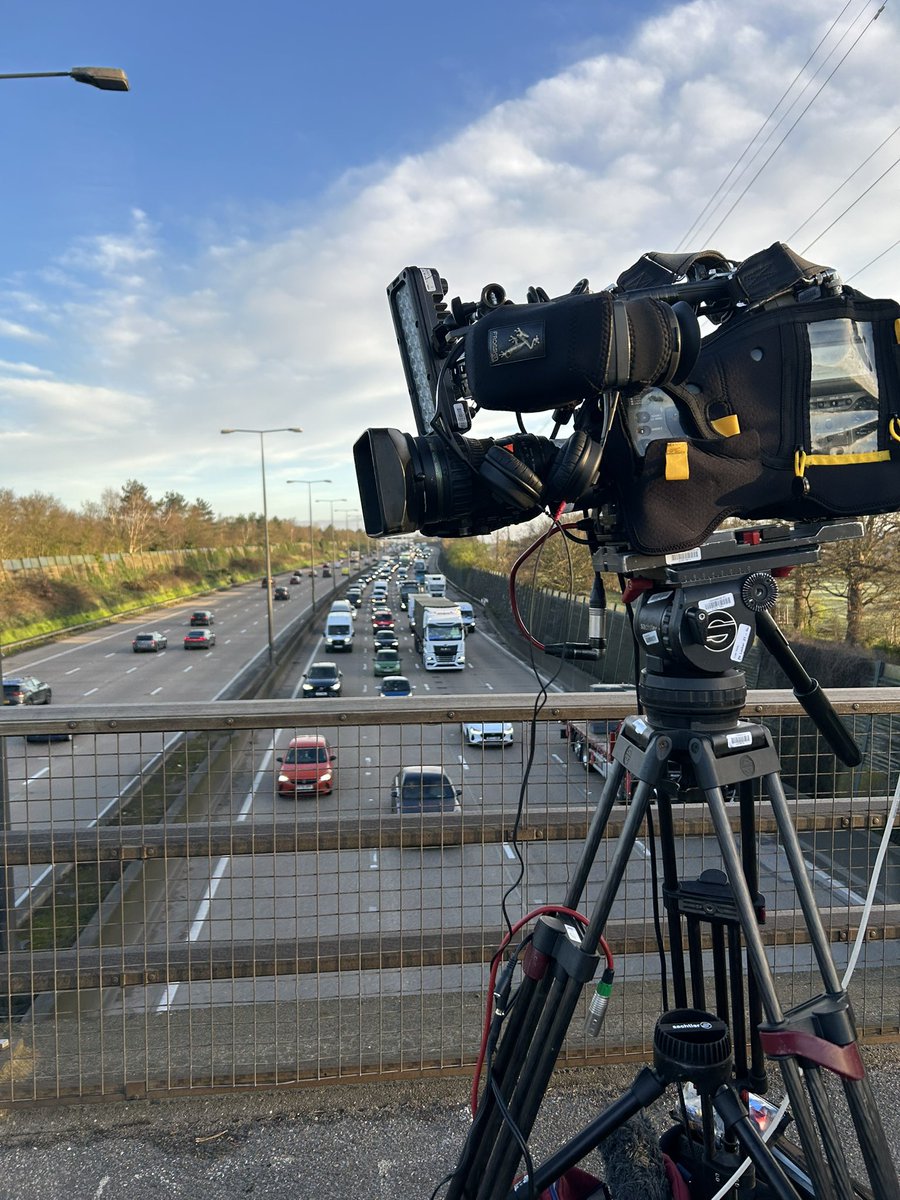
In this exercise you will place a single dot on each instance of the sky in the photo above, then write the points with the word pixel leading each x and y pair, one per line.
pixel 212 249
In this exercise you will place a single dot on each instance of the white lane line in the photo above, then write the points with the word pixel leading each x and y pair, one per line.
pixel 43 875
pixel 75 669
pixel 844 893
pixel 156 691
pixel 113 655
pixel 556 758
pixel 228 641
pixel 37 774
pixel 639 845
pixel 489 686
pixel 510 853
pixel 130 669
pixel 465 765
pixel 373 865
pixel 203 910
pixel 186 669
pixel 91 692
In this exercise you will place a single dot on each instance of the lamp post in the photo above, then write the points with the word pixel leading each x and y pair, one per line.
pixel 108 79
pixel 333 501
pixel 310 483
pixel 262 458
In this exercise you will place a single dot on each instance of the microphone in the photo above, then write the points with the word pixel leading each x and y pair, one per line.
pixel 633 1163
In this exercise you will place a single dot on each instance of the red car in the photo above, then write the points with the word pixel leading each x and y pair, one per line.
pixel 382 619
pixel 305 768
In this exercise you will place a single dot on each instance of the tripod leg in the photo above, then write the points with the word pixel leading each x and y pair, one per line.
pixel 519 1028
pixel 561 1002
pixel 860 1101
pixel 826 1185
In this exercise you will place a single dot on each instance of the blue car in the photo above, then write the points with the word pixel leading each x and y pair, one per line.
pixel 394 686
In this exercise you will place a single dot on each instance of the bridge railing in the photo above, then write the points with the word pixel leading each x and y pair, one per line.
pixel 180 919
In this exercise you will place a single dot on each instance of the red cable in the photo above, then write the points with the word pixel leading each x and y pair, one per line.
pixel 520 561
pixel 544 910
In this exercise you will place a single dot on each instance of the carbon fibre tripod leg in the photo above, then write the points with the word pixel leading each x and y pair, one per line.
pixel 520 1042
pixel 789 1033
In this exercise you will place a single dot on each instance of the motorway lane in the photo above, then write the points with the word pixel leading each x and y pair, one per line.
pixel 78 782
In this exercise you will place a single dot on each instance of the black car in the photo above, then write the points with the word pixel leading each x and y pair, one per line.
pixel 281 593
pixel 202 617
pixel 424 789
pixel 26 690
pixel 386 639
pixel 322 679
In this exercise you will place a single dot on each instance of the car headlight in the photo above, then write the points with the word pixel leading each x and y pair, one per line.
pixel 326 778
pixel 284 779
pixel 308 687
pixel 336 687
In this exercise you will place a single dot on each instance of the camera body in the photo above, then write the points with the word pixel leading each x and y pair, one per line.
pixel 789 408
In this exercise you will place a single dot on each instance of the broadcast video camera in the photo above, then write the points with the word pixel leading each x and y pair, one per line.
pixel 672 432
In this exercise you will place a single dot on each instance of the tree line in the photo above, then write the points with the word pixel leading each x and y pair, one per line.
pixel 131 520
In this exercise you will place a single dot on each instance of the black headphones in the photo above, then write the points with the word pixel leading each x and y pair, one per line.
pixel 570 469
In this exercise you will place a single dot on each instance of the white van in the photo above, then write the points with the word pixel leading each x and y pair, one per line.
pixel 339 631
pixel 344 606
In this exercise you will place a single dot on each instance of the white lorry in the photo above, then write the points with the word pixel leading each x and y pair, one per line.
pixel 438 635
pixel 435 585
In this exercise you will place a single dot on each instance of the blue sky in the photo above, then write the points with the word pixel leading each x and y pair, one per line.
pixel 212 249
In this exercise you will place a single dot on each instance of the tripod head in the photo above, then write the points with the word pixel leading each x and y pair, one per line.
pixel 697 613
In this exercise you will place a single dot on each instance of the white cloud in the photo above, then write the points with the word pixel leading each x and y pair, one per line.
pixel 579 176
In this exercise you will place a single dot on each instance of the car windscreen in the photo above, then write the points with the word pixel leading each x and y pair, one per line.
pixel 444 633
pixel 306 754
pixel 322 674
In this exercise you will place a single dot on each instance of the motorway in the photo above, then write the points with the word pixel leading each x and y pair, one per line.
pixel 328 894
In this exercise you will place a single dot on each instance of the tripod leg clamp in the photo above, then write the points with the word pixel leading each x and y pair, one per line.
pixel 556 941
pixel 822 1032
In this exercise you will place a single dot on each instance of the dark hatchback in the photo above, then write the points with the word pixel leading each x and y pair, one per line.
pixel 424 789
pixel 281 593
pixel 322 679
pixel 26 690
pixel 202 618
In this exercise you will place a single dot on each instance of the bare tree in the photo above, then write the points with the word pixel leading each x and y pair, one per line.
pixel 864 572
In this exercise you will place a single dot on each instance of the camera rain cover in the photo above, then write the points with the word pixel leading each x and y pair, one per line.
pixel 791 412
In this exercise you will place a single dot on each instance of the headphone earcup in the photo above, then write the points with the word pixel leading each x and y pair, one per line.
pixel 576 467
pixel 509 478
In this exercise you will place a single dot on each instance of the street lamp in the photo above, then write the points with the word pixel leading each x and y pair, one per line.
pixel 312 545
pixel 333 501
pixel 108 79
pixel 262 459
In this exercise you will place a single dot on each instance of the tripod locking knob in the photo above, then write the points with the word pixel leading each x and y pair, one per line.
pixel 759 592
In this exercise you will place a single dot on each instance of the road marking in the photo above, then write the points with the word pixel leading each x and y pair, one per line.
pixel 639 845
pixel 228 641
pixel 113 655
pixel 836 887
pixel 186 669
pixel 74 669
pixel 373 865
pixel 556 758
pixel 130 669
pixel 465 765
pixel 510 853
pixel 489 686
pixel 37 774
pixel 367 760
pixel 156 691
pixel 91 692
